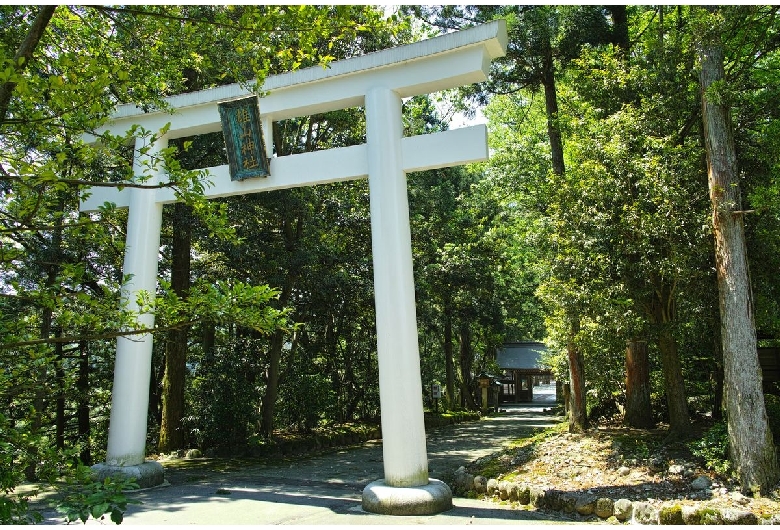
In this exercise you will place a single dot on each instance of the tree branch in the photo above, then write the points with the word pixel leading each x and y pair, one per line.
pixel 24 54
pixel 46 228
pixel 93 184
pixel 185 19
pixel 99 336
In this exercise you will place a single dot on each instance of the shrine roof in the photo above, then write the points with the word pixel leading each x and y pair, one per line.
pixel 521 356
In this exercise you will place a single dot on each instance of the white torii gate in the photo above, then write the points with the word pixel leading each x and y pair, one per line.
pixel 376 81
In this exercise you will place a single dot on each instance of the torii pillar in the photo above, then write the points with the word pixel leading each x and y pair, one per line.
pixel 377 81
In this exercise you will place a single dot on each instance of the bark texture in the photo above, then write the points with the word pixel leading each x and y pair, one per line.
pixel 662 313
pixel 674 385
pixel 449 362
pixel 551 109
pixel 82 385
pixel 750 440
pixel 466 358
pixel 272 384
pixel 578 417
pixel 171 430
pixel 578 414
pixel 276 346
pixel 638 413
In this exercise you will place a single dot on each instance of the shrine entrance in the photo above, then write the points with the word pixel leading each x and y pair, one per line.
pixel 377 82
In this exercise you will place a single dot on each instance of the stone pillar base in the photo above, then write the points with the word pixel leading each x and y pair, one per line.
pixel 433 498
pixel 147 475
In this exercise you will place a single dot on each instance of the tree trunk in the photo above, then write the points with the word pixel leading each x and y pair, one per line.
pixel 334 364
pixel 620 27
pixel 750 440
pixel 674 386
pixel 464 337
pixel 154 410
pixel 51 261
pixel 551 108
pixel 209 338
pixel 171 429
pixel 578 414
pixel 638 413
pixel 82 385
pixel 60 405
pixel 272 384
pixel 663 313
pixel 717 381
pixel 449 363
pixel 275 361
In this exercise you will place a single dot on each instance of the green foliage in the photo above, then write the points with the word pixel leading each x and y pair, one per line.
pixel 20 448
pixel 221 302
pixel 14 510
pixel 306 397
pixel 86 497
pixel 772 403
pixel 713 448
pixel 224 393
pixel 80 496
pixel 619 241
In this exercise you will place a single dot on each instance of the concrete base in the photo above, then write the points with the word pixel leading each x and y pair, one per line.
pixel 433 498
pixel 146 475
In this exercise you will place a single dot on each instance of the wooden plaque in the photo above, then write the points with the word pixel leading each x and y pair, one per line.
pixel 244 139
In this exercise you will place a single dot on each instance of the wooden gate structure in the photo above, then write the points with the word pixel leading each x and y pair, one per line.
pixel 377 82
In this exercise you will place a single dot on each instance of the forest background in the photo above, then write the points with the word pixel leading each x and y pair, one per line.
pixel 595 227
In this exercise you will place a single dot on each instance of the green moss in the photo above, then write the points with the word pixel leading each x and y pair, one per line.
pixel 415 479
pixel 709 516
pixel 524 495
pixel 629 446
pixel 671 515
pixel 538 435
pixel 491 469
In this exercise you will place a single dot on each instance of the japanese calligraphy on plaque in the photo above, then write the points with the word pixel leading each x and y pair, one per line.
pixel 244 139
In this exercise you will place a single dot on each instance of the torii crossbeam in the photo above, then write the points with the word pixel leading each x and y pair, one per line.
pixel 378 82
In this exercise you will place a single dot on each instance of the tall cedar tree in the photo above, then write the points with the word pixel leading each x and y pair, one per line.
pixel 750 440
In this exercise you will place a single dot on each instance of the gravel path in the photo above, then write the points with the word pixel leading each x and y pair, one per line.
pixel 326 488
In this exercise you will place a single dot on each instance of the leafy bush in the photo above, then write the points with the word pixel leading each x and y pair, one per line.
pixel 86 497
pixel 223 397
pixel 304 399
pixel 21 449
pixel 713 448
pixel 16 511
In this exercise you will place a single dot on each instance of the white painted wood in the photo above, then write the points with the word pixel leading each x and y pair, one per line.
pixel 400 387
pixel 423 67
pixel 132 369
pixel 420 153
